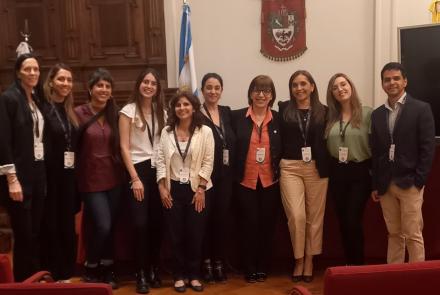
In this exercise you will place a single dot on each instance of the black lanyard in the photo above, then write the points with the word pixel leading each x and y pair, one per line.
pixel 151 134
pixel 67 131
pixel 220 130
pixel 342 130
pixel 184 154
pixel 305 132
pixel 259 131
pixel 391 132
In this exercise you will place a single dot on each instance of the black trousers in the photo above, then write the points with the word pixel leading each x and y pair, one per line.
pixel 100 213
pixel 147 218
pixel 186 227
pixel 216 239
pixel 58 239
pixel 259 211
pixel 26 224
pixel 350 188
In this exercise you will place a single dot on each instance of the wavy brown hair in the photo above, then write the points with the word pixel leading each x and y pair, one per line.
pixel 48 91
pixel 334 107
pixel 197 118
pixel 157 102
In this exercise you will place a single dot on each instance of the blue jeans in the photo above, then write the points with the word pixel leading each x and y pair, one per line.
pixel 100 211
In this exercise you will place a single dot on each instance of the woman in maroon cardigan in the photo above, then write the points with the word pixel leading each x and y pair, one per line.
pixel 99 175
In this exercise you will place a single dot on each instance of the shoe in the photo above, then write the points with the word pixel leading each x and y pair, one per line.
pixel 296 279
pixel 251 278
pixel 179 286
pixel 261 277
pixel 109 277
pixel 308 279
pixel 91 274
pixel 154 278
pixel 219 274
pixel 141 283
pixel 208 276
pixel 196 285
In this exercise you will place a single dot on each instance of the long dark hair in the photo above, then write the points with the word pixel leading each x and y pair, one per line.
pixel 197 118
pixel 318 109
pixel 334 107
pixel 110 111
pixel 38 89
pixel 157 102
pixel 48 91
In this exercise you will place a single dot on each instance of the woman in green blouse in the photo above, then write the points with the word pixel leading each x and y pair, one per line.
pixel 347 141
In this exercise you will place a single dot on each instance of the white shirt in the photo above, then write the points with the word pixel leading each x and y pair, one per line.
pixel 177 161
pixel 140 145
pixel 393 113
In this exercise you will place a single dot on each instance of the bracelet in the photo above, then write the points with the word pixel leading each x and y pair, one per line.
pixel 134 179
pixel 202 186
pixel 11 179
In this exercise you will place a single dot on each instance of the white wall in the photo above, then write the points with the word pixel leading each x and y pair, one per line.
pixel 355 37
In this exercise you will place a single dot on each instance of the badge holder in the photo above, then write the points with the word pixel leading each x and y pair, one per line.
pixel 343 155
pixel 306 153
pixel 69 160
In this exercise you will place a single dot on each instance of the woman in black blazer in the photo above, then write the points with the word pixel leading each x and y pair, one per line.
pixel 22 168
pixel 304 170
pixel 257 156
pixel 218 118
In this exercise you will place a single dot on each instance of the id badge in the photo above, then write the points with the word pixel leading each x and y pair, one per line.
pixel 343 154
pixel 184 175
pixel 39 151
pixel 261 155
pixel 153 160
pixel 69 160
pixel 391 152
pixel 306 154
pixel 226 157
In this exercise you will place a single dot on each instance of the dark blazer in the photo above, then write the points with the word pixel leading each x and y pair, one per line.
pixel 414 136
pixel 243 127
pixel 16 135
pixel 319 146
pixel 220 170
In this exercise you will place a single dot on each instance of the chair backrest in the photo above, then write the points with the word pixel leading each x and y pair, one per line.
pixel 384 279
pixel 6 274
pixel 55 289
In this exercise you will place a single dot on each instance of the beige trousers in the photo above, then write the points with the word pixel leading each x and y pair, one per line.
pixel 303 195
pixel 402 211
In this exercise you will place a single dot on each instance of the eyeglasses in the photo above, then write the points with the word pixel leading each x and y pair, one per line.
pixel 266 92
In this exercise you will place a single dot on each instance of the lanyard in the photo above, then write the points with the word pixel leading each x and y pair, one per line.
pixel 220 130
pixel 150 133
pixel 391 132
pixel 343 130
pixel 34 113
pixel 185 153
pixel 67 131
pixel 305 132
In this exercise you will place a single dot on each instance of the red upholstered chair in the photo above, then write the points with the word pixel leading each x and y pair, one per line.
pixel 299 290
pixel 7 276
pixel 34 285
pixel 384 279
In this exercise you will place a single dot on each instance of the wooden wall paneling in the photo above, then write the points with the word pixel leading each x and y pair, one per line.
pixel 155 32
pixel 70 32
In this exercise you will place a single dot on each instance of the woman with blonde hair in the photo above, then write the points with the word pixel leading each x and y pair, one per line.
pixel 350 181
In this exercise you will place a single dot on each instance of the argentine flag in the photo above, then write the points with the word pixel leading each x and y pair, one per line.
pixel 187 69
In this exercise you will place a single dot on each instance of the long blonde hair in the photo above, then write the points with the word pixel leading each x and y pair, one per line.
pixel 48 92
pixel 334 107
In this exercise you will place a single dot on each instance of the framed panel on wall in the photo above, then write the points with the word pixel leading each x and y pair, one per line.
pixel 420 54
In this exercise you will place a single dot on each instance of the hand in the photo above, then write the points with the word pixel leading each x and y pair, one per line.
pixel 375 197
pixel 15 191
pixel 165 197
pixel 199 200
pixel 138 189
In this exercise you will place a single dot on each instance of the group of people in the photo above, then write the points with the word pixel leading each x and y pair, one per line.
pixel 184 164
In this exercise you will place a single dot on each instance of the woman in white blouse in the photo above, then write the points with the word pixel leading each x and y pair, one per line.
pixel 140 124
pixel 184 166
